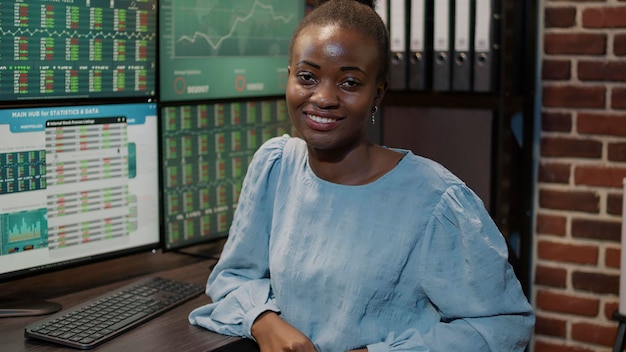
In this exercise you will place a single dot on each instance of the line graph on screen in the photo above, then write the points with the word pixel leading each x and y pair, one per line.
pixel 225 28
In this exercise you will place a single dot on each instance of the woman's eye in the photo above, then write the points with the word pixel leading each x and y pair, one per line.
pixel 350 84
pixel 306 77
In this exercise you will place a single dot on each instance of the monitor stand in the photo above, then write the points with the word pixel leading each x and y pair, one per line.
pixel 24 308
pixel 208 250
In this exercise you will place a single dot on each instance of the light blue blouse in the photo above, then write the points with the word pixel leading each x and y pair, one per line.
pixel 409 262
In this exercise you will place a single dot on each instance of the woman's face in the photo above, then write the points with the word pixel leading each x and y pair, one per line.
pixel 332 86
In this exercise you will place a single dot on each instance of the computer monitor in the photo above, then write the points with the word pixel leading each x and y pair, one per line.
pixel 77 49
pixel 77 184
pixel 225 49
pixel 206 149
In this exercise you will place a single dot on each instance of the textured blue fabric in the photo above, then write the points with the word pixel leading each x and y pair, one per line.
pixel 409 262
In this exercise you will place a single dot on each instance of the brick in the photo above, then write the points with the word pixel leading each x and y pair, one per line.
pixel 554 173
pixel 604 17
pixel 595 282
pixel 609 308
pixel 582 201
pixel 614 204
pixel 609 71
pixel 556 70
pixel 602 176
pixel 603 230
pixel 571 147
pixel 618 98
pixel 564 303
pixel 548 276
pixel 612 257
pixel 550 326
pixel 559 17
pixel 556 122
pixel 551 346
pixel 575 43
pixel 551 224
pixel 569 96
pixel 619 44
pixel 602 123
pixel 592 333
pixel 567 253
pixel 617 151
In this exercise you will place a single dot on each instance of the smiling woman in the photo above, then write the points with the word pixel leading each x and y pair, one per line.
pixel 339 244
pixel 331 92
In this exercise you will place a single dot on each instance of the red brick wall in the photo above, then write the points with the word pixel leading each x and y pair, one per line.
pixel 581 166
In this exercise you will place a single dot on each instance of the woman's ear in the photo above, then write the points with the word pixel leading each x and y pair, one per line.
pixel 381 89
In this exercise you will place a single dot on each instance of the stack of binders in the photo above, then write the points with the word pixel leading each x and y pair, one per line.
pixel 441 45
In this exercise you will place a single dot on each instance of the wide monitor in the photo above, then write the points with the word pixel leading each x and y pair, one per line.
pixel 74 49
pixel 77 184
pixel 225 49
pixel 206 149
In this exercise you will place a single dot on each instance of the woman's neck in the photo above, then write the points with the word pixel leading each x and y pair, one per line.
pixel 357 166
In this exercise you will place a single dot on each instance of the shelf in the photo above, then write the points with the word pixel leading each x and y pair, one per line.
pixel 452 100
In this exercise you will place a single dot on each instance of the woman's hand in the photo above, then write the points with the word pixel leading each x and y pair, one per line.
pixel 273 334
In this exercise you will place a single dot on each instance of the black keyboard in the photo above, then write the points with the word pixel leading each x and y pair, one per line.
pixel 102 318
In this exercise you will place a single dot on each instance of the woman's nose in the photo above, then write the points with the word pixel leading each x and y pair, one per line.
pixel 325 96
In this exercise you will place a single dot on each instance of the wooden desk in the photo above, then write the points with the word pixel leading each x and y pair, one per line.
pixel 168 332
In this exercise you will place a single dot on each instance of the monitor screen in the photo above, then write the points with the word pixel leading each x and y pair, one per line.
pixel 75 49
pixel 224 48
pixel 206 149
pixel 77 183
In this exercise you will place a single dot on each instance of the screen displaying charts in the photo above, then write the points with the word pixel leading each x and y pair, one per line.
pixel 77 49
pixel 206 149
pixel 225 48
pixel 77 182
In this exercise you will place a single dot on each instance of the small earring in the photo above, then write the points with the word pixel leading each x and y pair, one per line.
pixel 374 111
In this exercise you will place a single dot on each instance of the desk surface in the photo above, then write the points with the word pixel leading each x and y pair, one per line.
pixel 168 332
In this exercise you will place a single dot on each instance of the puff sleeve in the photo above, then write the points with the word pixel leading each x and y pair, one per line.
pixel 467 278
pixel 239 285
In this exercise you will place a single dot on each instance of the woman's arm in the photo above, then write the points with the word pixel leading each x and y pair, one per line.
pixel 469 281
pixel 464 272
pixel 274 335
pixel 239 284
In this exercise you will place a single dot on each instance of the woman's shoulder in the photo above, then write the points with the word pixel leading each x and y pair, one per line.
pixel 278 150
pixel 280 146
pixel 439 182
pixel 425 168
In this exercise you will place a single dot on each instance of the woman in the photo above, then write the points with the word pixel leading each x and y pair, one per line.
pixel 342 245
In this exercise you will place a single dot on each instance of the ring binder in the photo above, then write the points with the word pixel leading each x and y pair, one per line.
pixel 461 65
pixel 397 33
pixel 417 58
pixel 441 46
pixel 483 61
